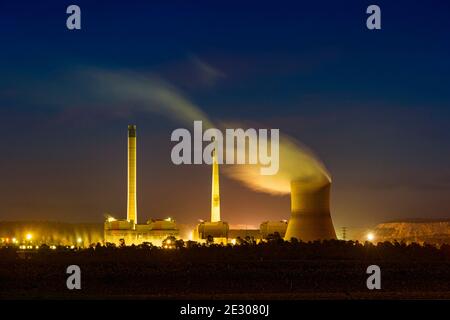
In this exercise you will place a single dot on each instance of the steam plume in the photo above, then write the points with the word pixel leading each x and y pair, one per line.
pixel 149 93
pixel 296 162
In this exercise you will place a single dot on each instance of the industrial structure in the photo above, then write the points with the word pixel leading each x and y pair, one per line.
pixel 131 195
pixel 310 219
pixel 272 228
pixel 127 232
pixel 218 231
pixel 310 212
pixel 214 230
pixel 215 194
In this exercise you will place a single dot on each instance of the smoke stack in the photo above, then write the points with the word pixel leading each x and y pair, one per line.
pixel 310 208
pixel 131 200
pixel 215 196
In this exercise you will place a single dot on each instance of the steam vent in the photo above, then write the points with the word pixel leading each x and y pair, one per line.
pixel 310 213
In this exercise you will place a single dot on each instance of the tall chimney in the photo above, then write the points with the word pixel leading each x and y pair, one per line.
pixel 131 200
pixel 215 196
pixel 310 208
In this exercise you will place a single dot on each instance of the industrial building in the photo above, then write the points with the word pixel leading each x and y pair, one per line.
pixel 270 228
pixel 218 231
pixel 266 231
pixel 214 230
pixel 310 215
pixel 128 231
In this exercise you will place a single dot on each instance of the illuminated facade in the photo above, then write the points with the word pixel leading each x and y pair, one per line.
pixel 215 230
pixel 270 228
pixel 128 232
pixel 123 232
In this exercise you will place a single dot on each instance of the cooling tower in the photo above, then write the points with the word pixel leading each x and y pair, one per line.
pixel 131 199
pixel 310 209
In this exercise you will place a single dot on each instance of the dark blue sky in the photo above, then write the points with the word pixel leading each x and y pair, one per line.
pixel 373 105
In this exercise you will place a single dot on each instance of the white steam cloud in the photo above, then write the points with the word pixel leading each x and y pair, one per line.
pixel 296 162
pixel 148 93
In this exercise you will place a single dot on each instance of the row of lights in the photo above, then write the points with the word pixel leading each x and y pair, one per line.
pixel 37 247
pixel 370 237
pixel 29 237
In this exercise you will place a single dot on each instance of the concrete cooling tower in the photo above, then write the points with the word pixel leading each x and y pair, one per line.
pixel 310 207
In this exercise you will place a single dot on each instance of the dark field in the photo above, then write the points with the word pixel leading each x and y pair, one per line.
pixel 280 270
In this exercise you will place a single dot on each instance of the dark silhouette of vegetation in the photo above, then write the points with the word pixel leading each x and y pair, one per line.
pixel 275 268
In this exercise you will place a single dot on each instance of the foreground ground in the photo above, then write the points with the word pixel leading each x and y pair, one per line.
pixel 279 270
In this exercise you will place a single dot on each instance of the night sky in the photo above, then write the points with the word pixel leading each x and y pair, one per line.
pixel 374 106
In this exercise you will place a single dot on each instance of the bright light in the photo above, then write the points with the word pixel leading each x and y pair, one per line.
pixel 72 247
pixel 168 219
pixel 233 241
pixel 169 241
pixel 370 236
pixel 29 236
pixel 14 240
pixel 53 247
pixel 79 240
pixel 111 219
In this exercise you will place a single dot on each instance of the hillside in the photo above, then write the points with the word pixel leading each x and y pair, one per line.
pixel 436 232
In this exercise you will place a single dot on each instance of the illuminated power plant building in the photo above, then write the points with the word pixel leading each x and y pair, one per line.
pixel 215 229
pixel 218 231
pixel 127 232
pixel 310 219
pixel 271 228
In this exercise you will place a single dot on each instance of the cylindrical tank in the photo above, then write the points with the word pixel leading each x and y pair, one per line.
pixel 310 212
pixel 217 229
pixel 271 227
